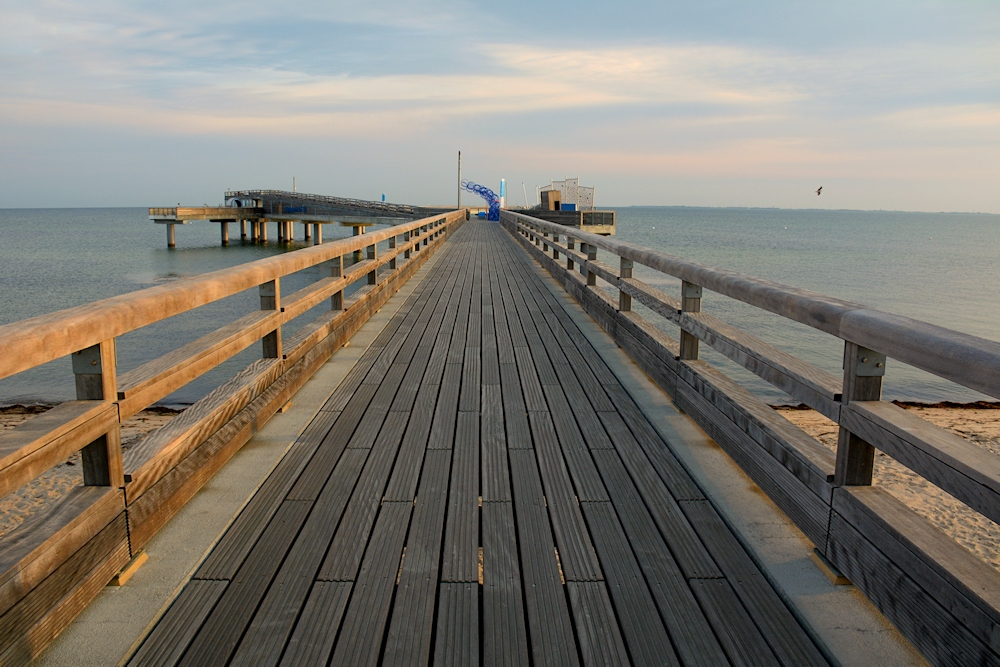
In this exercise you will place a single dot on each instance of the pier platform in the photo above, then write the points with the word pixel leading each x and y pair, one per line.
pixel 480 488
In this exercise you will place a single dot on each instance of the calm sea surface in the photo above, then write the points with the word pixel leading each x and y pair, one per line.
pixel 942 268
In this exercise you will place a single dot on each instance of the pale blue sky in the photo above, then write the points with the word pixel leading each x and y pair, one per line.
pixel 886 104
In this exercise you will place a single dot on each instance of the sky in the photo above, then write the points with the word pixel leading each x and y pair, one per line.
pixel 887 104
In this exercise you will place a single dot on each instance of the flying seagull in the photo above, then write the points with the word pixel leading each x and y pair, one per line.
pixel 820 191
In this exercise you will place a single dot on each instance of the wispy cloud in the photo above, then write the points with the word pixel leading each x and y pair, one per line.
pixel 410 73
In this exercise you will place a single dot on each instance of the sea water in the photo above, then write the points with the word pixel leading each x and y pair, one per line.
pixel 942 268
pixel 51 259
pixel 938 267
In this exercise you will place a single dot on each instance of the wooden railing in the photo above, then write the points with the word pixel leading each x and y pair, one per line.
pixel 54 564
pixel 941 597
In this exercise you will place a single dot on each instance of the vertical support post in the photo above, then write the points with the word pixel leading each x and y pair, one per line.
pixel 863 373
pixel 281 232
pixel 372 253
pixel 224 230
pixel 243 231
pixel 570 245
pixel 423 232
pixel 406 242
pixel 171 237
pixel 358 231
pixel 336 271
pixel 555 250
pixel 592 256
pixel 392 246
pixel 270 299
pixel 96 380
pixel 690 303
pixel 306 235
pixel 624 300
pixel 545 246
pixel 318 234
pixel 263 231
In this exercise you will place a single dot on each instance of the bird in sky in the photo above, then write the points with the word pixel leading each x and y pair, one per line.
pixel 820 191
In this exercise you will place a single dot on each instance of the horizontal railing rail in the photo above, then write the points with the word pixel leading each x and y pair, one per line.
pixel 944 600
pixel 57 561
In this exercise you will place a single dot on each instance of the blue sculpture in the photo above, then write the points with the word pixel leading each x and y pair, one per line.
pixel 487 194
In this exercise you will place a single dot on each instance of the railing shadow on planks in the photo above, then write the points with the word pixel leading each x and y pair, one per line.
pixel 941 597
pixel 52 566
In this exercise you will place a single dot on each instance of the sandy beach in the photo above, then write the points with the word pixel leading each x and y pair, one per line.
pixel 49 487
pixel 977 422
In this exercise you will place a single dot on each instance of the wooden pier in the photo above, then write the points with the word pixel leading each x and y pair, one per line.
pixel 481 488
pixel 254 209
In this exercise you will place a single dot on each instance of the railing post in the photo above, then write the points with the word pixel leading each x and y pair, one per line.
pixel 358 231
pixel 555 249
pixel 392 246
pixel 336 271
pixel 592 256
pixel 863 373
pixel 423 230
pixel 545 246
pixel 406 242
pixel 371 254
pixel 96 380
pixel 270 299
pixel 570 245
pixel 624 300
pixel 690 303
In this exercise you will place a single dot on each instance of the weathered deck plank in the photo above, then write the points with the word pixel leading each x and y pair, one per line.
pixel 479 489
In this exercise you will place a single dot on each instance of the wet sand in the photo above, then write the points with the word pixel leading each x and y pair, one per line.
pixel 978 423
pixel 39 494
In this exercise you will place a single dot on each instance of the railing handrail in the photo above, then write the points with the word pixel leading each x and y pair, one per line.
pixel 32 342
pixel 965 359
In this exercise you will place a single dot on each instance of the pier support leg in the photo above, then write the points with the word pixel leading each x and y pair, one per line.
pixel 224 230
pixel 281 232
pixel 263 231
pixel 306 236
pixel 317 234
pixel 171 238
pixel 243 231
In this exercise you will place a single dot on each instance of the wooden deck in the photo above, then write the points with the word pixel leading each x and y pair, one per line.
pixel 480 489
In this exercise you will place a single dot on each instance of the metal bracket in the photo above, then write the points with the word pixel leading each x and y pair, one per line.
pixel 869 363
pixel 690 290
pixel 87 362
